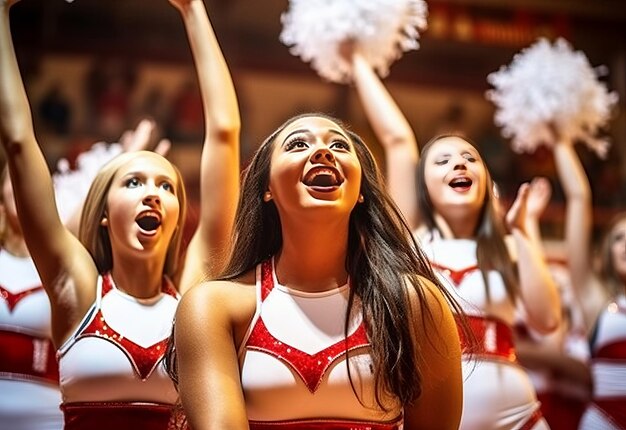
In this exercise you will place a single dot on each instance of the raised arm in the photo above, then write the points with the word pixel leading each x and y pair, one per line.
pixel 394 134
pixel 538 290
pixel 219 172
pixel 578 227
pixel 56 252
pixel 441 401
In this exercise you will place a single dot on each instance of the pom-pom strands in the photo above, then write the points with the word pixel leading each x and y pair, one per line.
pixel 382 31
pixel 550 88
pixel 71 186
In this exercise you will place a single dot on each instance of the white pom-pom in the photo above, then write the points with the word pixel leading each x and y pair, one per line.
pixel 550 87
pixel 71 186
pixel 382 31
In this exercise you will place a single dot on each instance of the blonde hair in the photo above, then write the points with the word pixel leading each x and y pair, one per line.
pixel 95 237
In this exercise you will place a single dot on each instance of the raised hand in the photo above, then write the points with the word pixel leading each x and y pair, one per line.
pixel 516 216
pixel 140 139
pixel 538 197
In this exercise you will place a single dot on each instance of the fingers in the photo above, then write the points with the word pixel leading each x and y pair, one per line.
pixel 517 212
pixel 139 139
pixel 163 147
pixel 522 192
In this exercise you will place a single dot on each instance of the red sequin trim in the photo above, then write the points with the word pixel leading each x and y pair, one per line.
pixel 310 368
pixel 456 276
pixel 144 360
pixel 13 299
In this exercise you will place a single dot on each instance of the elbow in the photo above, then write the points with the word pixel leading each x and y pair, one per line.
pixel 395 139
pixel 16 136
pixel 552 324
pixel 227 131
pixel 549 323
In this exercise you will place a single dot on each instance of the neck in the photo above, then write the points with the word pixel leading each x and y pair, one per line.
pixel 15 244
pixel 313 256
pixel 457 224
pixel 140 278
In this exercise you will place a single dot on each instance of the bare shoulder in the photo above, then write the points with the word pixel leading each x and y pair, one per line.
pixel 432 296
pixel 229 304
pixel 219 294
pixel 433 319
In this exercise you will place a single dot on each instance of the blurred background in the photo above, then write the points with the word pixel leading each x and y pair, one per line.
pixel 93 68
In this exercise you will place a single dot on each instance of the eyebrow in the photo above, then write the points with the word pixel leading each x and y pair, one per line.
pixel 142 174
pixel 307 131
pixel 466 152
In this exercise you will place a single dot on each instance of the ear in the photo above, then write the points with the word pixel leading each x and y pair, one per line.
pixel 361 198
pixel 104 222
pixel 267 196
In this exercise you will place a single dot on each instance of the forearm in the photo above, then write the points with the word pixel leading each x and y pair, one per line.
pixel 16 125
pixel 29 171
pixel 384 115
pixel 394 134
pixel 538 290
pixel 578 216
pixel 220 161
pixel 216 86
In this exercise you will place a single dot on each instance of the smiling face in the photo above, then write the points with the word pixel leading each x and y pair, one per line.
pixel 314 165
pixel 454 175
pixel 142 207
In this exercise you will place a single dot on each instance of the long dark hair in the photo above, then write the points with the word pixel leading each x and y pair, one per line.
pixel 382 258
pixel 491 250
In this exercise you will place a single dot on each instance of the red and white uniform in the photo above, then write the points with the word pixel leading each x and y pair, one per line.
pixel 563 400
pixel 497 392
pixel 608 370
pixel 111 368
pixel 293 363
pixel 29 387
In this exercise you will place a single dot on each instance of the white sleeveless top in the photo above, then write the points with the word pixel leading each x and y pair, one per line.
pixel 27 403
pixel 293 360
pixel 497 394
pixel 116 354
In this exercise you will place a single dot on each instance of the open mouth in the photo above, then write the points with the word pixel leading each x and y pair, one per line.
pixel 461 183
pixel 323 178
pixel 148 221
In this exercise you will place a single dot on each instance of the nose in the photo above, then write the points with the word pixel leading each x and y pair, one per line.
pixel 460 163
pixel 151 200
pixel 151 197
pixel 323 156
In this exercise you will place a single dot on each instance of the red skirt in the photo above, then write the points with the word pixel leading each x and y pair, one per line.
pixel 325 425
pixel 116 416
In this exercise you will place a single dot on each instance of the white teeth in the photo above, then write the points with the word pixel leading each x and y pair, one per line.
pixel 321 172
